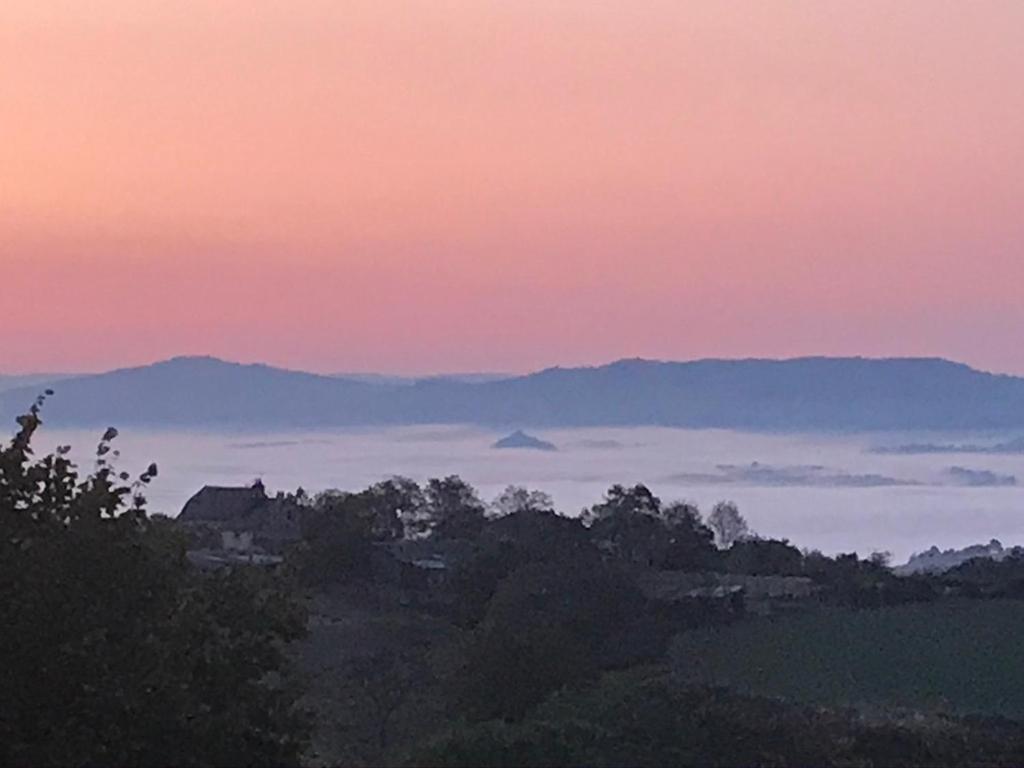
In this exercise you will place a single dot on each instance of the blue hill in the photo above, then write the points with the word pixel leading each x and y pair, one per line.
pixel 798 394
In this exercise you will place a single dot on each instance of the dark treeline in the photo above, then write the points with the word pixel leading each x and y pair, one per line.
pixel 414 624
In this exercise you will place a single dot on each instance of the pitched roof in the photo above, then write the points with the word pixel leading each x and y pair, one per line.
pixel 218 504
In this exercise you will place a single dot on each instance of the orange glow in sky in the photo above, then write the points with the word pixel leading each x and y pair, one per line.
pixel 436 185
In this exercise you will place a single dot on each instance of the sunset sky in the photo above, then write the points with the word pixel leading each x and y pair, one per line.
pixel 440 185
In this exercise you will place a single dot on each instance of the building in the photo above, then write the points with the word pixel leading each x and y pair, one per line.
pixel 246 519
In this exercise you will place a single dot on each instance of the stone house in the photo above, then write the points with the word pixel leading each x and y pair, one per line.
pixel 247 519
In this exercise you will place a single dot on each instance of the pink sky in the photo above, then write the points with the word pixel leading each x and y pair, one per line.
pixel 436 185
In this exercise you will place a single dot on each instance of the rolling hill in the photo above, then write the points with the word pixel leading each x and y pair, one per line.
pixel 798 394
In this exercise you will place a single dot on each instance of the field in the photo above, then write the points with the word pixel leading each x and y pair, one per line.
pixel 963 657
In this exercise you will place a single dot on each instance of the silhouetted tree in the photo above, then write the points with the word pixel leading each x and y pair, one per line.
pixel 691 542
pixel 453 508
pixel 338 536
pixel 764 557
pixel 633 525
pixel 539 536
pixel 115 650
pixel 510 542
pixel 549 624
pixel 619 500
pixel 515 498
pixel 398 505
pixel 728 524
pixel 378 684
pixel 627 525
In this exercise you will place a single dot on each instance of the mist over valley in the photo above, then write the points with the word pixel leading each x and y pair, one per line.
pixel 821 491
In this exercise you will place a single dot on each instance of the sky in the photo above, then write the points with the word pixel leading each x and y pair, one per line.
pixel 442 185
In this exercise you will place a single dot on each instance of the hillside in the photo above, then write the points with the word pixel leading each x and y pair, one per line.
pixel 957 655
pixel 194 392
pixel 799 394
pixel 22 381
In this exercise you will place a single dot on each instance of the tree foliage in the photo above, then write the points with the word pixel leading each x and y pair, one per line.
pixel 115 650
pixel 633 525
pixel 643 717
pixel 453 508
pixel 728 525
pixel 764 557
pixel 516 498
pixel 548 625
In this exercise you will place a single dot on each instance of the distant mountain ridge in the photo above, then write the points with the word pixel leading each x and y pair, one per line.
pixel 384 378
pixel 814 393
pixel 22 380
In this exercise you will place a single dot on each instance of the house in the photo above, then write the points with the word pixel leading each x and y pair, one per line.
pixel 214 504
pixel 245 517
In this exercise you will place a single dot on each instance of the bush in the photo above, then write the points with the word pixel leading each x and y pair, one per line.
pixel 115 650
pixel 642 717
pixel 764 557
pixel 548 625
